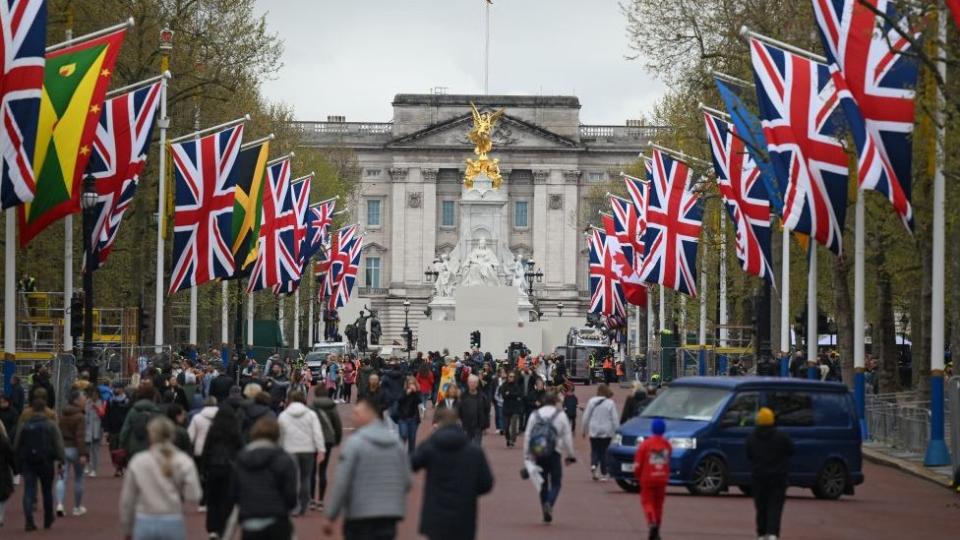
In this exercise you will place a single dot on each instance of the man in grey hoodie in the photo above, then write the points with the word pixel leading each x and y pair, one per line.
pixel 371 480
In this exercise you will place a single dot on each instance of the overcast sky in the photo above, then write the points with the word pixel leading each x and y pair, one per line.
pixel 351 57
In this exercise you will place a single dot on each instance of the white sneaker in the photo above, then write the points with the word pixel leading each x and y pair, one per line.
pixel 201 509
pixel 16 480
pixel 60 512
pixel 79 511
pixel 605 478
pixel 92 474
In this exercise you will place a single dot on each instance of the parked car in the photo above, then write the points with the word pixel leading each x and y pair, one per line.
pixel 316 359
pixel 708 420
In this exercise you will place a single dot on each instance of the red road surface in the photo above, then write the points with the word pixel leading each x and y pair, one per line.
pixel 890 504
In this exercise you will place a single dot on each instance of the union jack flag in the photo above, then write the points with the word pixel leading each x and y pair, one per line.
pixel 797 101
pixel 319 219
pixel 626 227
pixel 606 296
pixel 276 249
pixel 674 216
pixel 300 195
pixel 344 262
pixel 880 74
pixel 203 213
pixel 744 195
pixel 119 156
pixel 24 26
pixel 626 256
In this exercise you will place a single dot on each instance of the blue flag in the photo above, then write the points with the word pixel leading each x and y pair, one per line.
pixel 749 129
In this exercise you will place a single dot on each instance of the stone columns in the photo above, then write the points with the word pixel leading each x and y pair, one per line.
pixel 538 209
pixel 428 246
pixel 396 221
pixel 571 236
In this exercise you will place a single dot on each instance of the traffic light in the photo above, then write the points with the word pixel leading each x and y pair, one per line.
pixel 409 337
pixel 475 339
pixel 76 317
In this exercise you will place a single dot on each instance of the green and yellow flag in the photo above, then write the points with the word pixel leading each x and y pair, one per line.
pixel 75 83
pixel 248 204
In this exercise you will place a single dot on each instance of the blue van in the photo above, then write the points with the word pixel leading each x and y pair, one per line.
pixel 708 420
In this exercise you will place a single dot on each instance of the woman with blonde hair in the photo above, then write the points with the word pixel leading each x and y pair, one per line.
pixel 155 487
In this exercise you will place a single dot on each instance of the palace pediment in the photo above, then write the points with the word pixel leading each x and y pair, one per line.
pixel 509 133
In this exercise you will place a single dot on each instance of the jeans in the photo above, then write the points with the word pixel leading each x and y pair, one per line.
pixel 425 399
pixel 94 448
pixel 44 474
pixel 305 463
pixel 72 460
pixel 319 483
pixel 598 453
pixel 552 467
pixel 408 431
pixel 347 390
pixel 498 416
pixel 159 527
pixel 370 529
pixel 511 427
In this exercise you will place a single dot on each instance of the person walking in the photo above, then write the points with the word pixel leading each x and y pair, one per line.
pixel 570 405
pixel 457 475
pixel 220 448
pixel 372 479
pixel 159 480
pixel 197 430
pixel 302 436
pixel 73 430
pixel 600 423
pixel 651 467
pixel 94 412
pixel 116 413
pixel 474 410
pixel 134 437
pixel 7 464
pixel 329 418
pixel 512 395
pixel 349 379
pixel 548 435
pixel 425 379
pixel 769 451
pixel 265 485
pixel 38 446
pixel 451 399
pixel 637 401
pixel 408 414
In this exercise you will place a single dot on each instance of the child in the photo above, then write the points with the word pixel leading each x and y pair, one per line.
pixel 652 470
pixel 570 406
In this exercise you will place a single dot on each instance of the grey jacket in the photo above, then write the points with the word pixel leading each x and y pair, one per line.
pixel 373 476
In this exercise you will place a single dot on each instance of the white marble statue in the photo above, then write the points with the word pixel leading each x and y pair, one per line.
pixel 480 268
pixel 519 277
pixel 444 285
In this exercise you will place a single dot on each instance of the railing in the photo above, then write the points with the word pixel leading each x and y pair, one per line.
pixel 631 134
pixel 372 291
pixel 902 421
pixel 340 130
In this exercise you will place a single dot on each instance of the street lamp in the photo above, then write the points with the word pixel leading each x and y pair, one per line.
pixel 531 275
pixel 407 334
pixel 904 321
pixel 430 273
pixel 88 202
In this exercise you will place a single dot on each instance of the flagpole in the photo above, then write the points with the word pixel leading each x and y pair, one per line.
pixel 163 123
pixel 702 334
pixel 937 453
pixel 249 320
pixel 486 49
pixel 280 319
pixel 663 311
pixel 296 319
pixel 785 300
pixel 724 332
pixel 10 288
pixel 859 308
pixel 812 312
pixel 193 290
pixel 86 37
pixel 311 327
pixel 67 282
pixel 649 319
pixel 225 313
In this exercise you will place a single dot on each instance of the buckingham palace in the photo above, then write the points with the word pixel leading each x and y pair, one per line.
pixel 411 177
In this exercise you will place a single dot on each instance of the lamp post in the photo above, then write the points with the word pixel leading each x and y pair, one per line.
pixel 88 202
pixel 431 274
pixel 532 273
pixel 406 327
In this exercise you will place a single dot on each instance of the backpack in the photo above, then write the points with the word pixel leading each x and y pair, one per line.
pixel 35 442
pixel 329 436
pixel 139 439
pixel 543 436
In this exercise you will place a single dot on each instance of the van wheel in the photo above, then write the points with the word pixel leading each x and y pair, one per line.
pixel 630 486
pixel 832 481
pixel 709 477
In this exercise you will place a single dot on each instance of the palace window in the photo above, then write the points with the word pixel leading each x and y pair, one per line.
pixel 372 272
pixel 447 214
pixel 521 218
pixel 596 177
pixel 373 212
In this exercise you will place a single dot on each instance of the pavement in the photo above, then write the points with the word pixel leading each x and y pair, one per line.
pixel 891 504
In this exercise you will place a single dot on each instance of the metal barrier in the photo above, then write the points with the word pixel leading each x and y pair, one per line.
pixel 902 421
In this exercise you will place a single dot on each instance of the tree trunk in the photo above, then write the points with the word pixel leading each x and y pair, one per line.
pixel 886 348
pixel 844 316
pixel 920 329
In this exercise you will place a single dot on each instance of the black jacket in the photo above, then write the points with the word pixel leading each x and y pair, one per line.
pixel 512 394
pixel 253 412
pixel 116 413
pixel 534 400
pixel 328 408
pixel 17 396
pixel 41 382
pixel 409 406
pixel 769 451
pixel 265 482
pixel 220 387
pixel 634 405
pixel 474 411
pixel 457 473
pixel 9 417
pixel 6 467
pixel 223 441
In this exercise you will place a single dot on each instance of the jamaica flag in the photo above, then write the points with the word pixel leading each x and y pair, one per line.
pixel 248 204
pixel 75 83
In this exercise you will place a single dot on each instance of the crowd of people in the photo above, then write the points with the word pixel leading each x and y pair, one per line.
pixel 250 446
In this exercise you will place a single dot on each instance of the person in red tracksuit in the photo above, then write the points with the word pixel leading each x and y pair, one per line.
pixel 652 469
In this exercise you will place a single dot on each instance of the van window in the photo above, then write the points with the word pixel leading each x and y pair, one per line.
pixel 832 410
pixel 742 411
pixel 791 409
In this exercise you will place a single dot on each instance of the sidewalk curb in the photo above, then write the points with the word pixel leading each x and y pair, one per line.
pixel 913 469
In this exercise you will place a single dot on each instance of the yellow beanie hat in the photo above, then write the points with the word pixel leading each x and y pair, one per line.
pixel 764 417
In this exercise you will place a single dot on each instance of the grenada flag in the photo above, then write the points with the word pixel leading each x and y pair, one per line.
pixel 75 83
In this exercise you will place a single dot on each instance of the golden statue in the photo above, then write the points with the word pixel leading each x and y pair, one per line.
pixel 481 136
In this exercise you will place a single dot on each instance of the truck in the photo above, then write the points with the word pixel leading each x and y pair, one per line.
pixel 582 343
